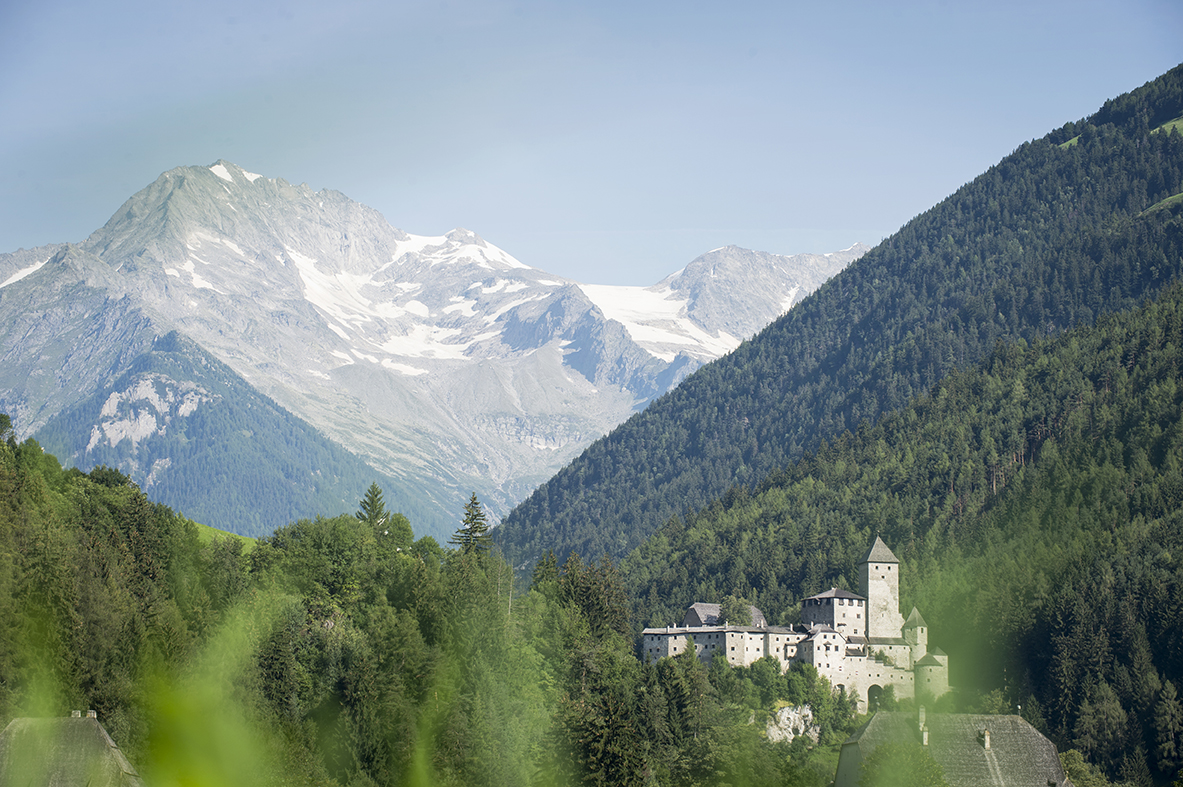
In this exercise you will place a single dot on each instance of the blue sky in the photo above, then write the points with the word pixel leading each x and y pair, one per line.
pixel 608 142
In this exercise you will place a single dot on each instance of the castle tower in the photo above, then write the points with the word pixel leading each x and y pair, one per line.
pixel 916 635
pixel 879 580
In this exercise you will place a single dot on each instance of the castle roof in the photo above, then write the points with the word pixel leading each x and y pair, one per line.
pixel 929 661
pixel 64 751
pixel 879 553
pixel 836 593
pixel 915 620
pixel 704 614
pixel 1018 753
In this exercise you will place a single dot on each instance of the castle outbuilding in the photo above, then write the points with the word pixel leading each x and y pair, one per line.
pixel 858 642
pixel 971 749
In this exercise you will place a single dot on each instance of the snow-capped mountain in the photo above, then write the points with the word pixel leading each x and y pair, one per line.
pixel 444 362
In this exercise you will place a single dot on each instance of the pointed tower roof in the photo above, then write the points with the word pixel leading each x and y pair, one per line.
pixel 915 619
pixel 879 553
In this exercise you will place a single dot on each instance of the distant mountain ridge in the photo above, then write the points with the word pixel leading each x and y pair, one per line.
pixel 1056 234
pixel 442 361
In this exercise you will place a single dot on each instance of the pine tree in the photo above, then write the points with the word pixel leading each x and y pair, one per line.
pixel 373 508
pixel 1168 725
pixel 473 535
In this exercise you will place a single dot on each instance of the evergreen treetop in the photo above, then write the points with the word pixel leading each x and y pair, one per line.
pixel 473 535
pixel 372 507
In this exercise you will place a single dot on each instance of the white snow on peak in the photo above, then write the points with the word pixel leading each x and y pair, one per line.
pixel 198 282
pixel 221 172
pixel 455 247
pixel 841 251
pixel 337 295
pixel 462 307
pixel 198 237
pixel 417 243
pixel 251 176
pixel 426 341
pixel 790 299
pixel 23 272
pixel 410 371
pixel 233 247
pixel 656 319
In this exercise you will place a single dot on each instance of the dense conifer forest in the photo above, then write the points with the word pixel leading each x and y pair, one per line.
pixel 1036 504
pixel 1058 233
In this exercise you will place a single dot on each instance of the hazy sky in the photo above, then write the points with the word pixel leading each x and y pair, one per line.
pixel 608 142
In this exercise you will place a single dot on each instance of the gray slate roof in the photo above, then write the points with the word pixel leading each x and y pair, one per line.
pixel 63 751
pixel 1019 755
pixel 879 553
pixel 703 614
pixel 915 620
pixel 836 593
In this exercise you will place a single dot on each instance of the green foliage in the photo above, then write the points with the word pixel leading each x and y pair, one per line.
pixel 736 611
pixel 1046 240
pixel 1080 772
pixel 473 535
pixel 1168 728
pixel 372 509
pixel 330 655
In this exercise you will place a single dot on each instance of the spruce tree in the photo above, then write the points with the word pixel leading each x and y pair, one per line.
pixel 373 508
pixel 1168 727
pixel 473 535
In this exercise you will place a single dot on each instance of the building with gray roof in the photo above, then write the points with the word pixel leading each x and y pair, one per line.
pixel 972 749
pixel 63 752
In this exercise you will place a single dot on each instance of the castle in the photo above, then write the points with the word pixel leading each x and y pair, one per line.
pixel 860 643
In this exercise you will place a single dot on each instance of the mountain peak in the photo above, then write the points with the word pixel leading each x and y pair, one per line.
pixel 230 172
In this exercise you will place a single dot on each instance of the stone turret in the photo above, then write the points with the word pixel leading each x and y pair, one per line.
pixel 879 580
pixel 916 634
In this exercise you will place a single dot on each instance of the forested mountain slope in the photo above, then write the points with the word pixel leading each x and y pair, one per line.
pixel 1053 236
pixel 1036 505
